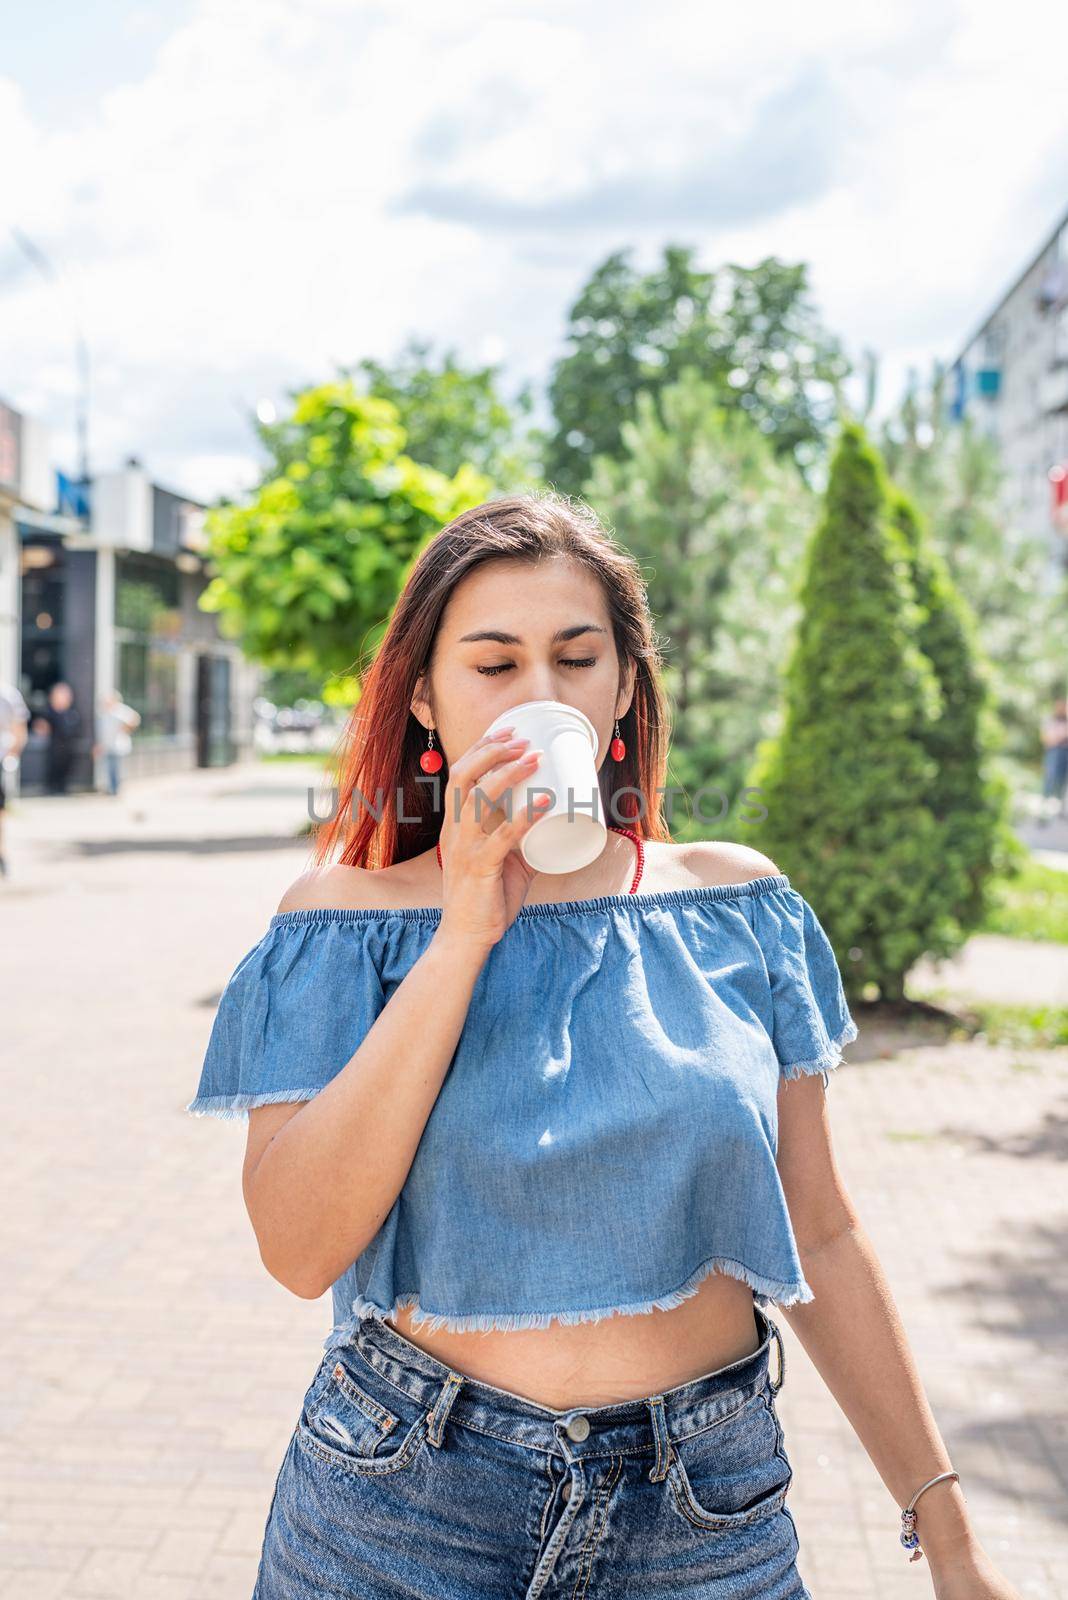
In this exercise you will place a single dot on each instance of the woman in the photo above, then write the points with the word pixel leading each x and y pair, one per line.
pixel 554 1144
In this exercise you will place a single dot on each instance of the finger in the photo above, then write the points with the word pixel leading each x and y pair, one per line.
pixel 474 760
pixel 483 762
pixel 508 834
pixel 487 793
pixel 515 794
pixel 480 756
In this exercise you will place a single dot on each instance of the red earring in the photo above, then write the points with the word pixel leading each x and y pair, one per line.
pixel 430 760
pixel 617 749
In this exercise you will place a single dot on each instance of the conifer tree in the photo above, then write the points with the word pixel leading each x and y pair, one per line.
pixel 849 781
pixel 972 800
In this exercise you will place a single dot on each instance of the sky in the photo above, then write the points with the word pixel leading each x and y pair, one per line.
pixel 236 197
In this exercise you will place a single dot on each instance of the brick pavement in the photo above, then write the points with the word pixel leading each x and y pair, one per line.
pixel 154 1370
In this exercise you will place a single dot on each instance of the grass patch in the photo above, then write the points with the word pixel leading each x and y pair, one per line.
pixel 1033 905
pixel 315 758
pixel 1026 1027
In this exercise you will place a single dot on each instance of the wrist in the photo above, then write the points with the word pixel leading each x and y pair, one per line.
pixel 462 955
pixel 943 1525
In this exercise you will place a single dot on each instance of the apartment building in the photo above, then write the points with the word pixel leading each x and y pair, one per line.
pixel 1011 379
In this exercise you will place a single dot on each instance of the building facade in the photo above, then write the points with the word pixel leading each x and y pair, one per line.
pixel 26 482
pixel 99 588
pixel 1011 379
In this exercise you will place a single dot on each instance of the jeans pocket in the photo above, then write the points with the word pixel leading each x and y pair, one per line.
pixel 354 1420
pixel 734 1472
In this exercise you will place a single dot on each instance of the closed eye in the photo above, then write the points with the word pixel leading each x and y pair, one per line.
pixel 491 672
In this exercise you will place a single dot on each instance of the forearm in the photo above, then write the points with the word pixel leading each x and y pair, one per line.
pixel 332 1172
pixel 855 1338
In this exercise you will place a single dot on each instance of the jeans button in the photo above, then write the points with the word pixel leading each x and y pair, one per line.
pixel 565 1488
pixel 578 1428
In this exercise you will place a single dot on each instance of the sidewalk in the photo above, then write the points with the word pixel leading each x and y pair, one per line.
pixel 155 1370
pixel 255 804
pixel 1048 839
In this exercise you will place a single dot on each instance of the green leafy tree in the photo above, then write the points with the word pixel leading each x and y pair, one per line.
pixel 284 688
pixel 749 330
pixel 307 572
pixel 848 782
pixel 717 522
pixel 455 416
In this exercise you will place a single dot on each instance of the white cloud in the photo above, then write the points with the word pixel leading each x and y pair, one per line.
pixel 286 188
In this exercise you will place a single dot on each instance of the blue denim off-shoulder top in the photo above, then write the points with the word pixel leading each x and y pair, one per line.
pixel 605 1134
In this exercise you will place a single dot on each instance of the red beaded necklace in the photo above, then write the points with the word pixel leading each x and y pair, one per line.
pixel 635 839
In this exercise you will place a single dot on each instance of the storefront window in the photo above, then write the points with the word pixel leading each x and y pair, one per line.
pixel 148 626
pixel 43 575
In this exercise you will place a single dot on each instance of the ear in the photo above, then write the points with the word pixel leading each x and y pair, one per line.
pixel 420 706
pixel 626 696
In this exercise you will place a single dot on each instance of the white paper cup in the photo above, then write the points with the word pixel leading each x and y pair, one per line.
pixel 572 832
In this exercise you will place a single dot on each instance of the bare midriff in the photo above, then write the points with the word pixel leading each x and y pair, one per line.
pixel 621 1357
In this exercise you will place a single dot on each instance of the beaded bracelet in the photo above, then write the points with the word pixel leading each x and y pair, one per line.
pixel 909 1537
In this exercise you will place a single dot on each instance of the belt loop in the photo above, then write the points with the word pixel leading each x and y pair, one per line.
pixel 658 1471
pixel 442 1406
pixel 775 1387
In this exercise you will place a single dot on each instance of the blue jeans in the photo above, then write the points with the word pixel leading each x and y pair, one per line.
pixel 404 1478
pixel 1055 771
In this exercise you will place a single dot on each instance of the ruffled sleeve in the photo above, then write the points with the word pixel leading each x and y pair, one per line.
pixel 811 1021
pixel 292 1014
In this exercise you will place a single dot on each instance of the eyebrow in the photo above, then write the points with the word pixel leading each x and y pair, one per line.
pixel 559 637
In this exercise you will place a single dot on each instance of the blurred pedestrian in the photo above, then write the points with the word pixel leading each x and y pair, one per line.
pixel 1055 761
pixel 114 724
pixel 14 716
pixel 61 721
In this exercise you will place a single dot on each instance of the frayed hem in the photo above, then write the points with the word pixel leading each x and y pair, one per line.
pixel 827 1060
pixel 235 1107
pixel 783 1293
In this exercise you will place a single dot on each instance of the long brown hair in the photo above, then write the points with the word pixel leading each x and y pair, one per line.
pixel 378 761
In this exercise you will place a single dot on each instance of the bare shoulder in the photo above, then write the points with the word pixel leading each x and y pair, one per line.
pixel 713 861
pixel 338 888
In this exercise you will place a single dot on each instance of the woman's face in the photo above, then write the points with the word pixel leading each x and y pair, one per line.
pixel 497 646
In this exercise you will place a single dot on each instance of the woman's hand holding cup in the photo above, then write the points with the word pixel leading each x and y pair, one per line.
pixel 485 877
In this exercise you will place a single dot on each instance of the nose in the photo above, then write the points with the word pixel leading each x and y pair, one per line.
pixel 544 685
